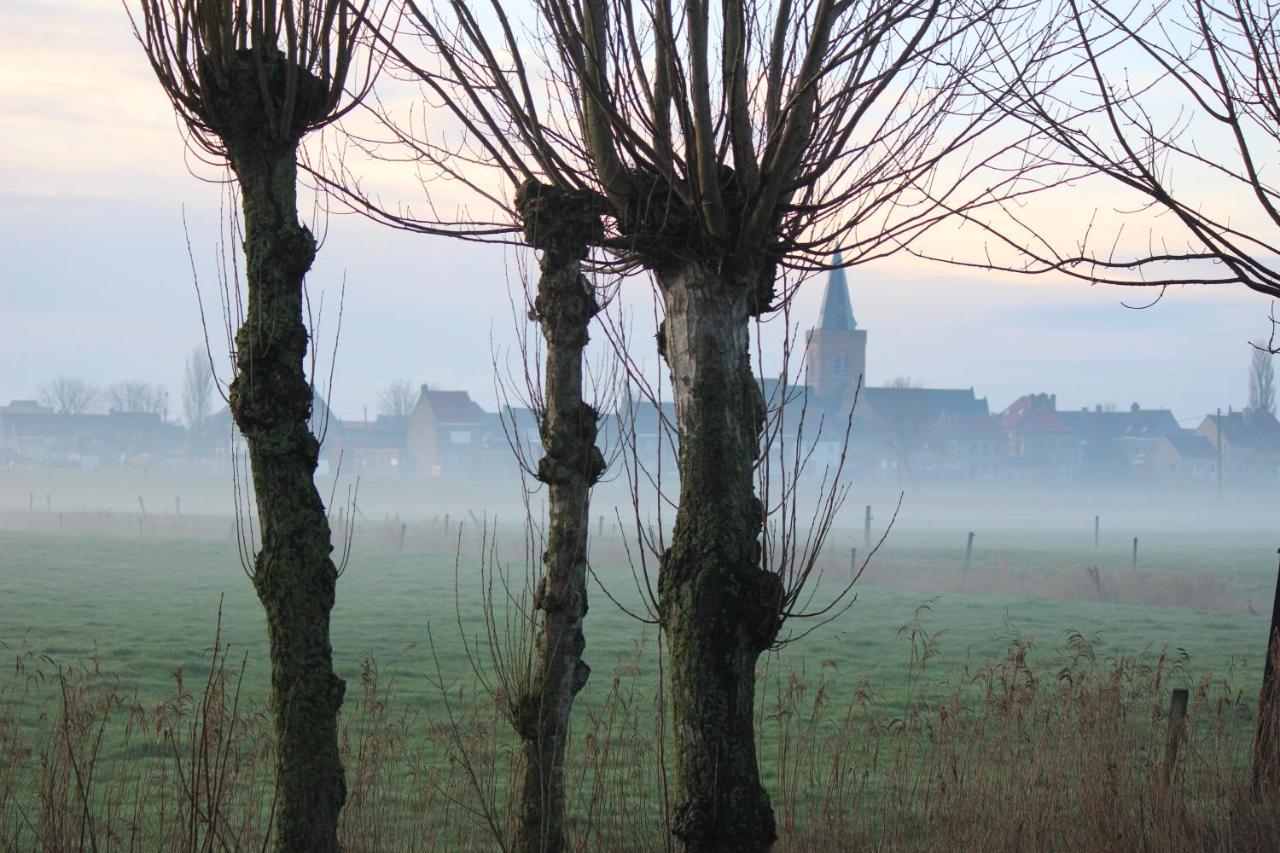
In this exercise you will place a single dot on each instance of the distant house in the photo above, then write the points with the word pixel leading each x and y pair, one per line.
pixel 971 447
pixel 1114 444
pixel 1185 457
pixel 368 447
pixel 1041 445
pixel 904 429
pixel 447 434
pixel 37 435
pixel 1250 445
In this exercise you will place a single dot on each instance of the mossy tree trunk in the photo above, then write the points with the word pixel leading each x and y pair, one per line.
pixel 293 573
pixel 560 224
pixel 718 606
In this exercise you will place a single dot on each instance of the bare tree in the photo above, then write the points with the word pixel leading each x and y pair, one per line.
pixel 250 79
pixel 1200 171
pixel 1262 379
pixel 398 398
pixel 69 395
pixel 197 389
pixel 725 144
pixel 133 396
pixel 562 225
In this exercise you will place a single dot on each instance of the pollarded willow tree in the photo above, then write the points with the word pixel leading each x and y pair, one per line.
pixel 724 145
pixel 250 79
pixel 1174 104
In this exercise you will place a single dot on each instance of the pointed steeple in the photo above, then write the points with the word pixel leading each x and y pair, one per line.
pixel 837 311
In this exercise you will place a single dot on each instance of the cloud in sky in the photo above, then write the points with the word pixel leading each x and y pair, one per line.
pixel 95 278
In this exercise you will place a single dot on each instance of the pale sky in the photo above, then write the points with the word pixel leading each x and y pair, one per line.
pixel 95 280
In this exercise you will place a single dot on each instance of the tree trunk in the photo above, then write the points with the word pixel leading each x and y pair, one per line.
pixel 558 223
pixel 293 573
pixel 1266 744
pixel 719 609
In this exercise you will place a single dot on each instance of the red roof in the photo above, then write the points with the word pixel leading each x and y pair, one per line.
pixel 1042 421
pixel 453 407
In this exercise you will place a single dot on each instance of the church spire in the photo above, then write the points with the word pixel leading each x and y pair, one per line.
pixel 837 311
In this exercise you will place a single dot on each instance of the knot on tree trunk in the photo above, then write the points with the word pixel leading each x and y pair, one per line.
pixel 236 110
pixel 553 597
pixel 570 450
pixel 561 222
pixel 526 712
pixel 280 254
pixel 267 404
pixel 581 672
pixel 765 608
pixel 564 304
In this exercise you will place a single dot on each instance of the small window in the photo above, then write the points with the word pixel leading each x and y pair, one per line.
pixel 460 436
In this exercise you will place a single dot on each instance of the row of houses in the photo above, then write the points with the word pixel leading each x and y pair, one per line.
pixel 893 433
pixel 896 432
pixel 944 434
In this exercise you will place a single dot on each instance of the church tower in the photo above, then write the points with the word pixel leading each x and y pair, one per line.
pixel 836 349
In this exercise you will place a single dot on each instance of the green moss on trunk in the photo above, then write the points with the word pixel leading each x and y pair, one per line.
pixel 294 573
pixel 718 607
pixel 560 224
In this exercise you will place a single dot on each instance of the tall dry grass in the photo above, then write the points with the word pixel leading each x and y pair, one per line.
pixel 1058 751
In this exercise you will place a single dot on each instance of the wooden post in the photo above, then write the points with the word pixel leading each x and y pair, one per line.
pixel 968 552
pixel 1177 727
pixel 403 527
pixel 853 564
pixel 142 506
pixel 600 527
pixel 31 503
pixel 866 529
pixel 1135 553
pixel 447 529
pixel 1097 520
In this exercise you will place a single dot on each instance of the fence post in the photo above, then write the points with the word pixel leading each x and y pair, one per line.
pixel 1177 727
pixel 1097 519
pixel 403 527
pixel 853 564
pixel 1135 553
pixel 866 529
pixel 968 552
pixel 31 503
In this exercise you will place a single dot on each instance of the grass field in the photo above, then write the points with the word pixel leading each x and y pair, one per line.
pixel 141 609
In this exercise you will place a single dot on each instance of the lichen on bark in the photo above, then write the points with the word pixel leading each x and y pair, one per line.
pixel 718 606
pixel 561 224
pixel 271 400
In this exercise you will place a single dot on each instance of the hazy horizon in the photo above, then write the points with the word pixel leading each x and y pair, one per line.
pixel 95 278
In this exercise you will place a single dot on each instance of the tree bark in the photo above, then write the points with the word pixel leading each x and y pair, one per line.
pixel 293 573
pixel 1266 743
pixel 719 608
pixel 560 224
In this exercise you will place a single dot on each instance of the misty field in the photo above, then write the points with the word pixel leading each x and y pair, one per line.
pixel 858 721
